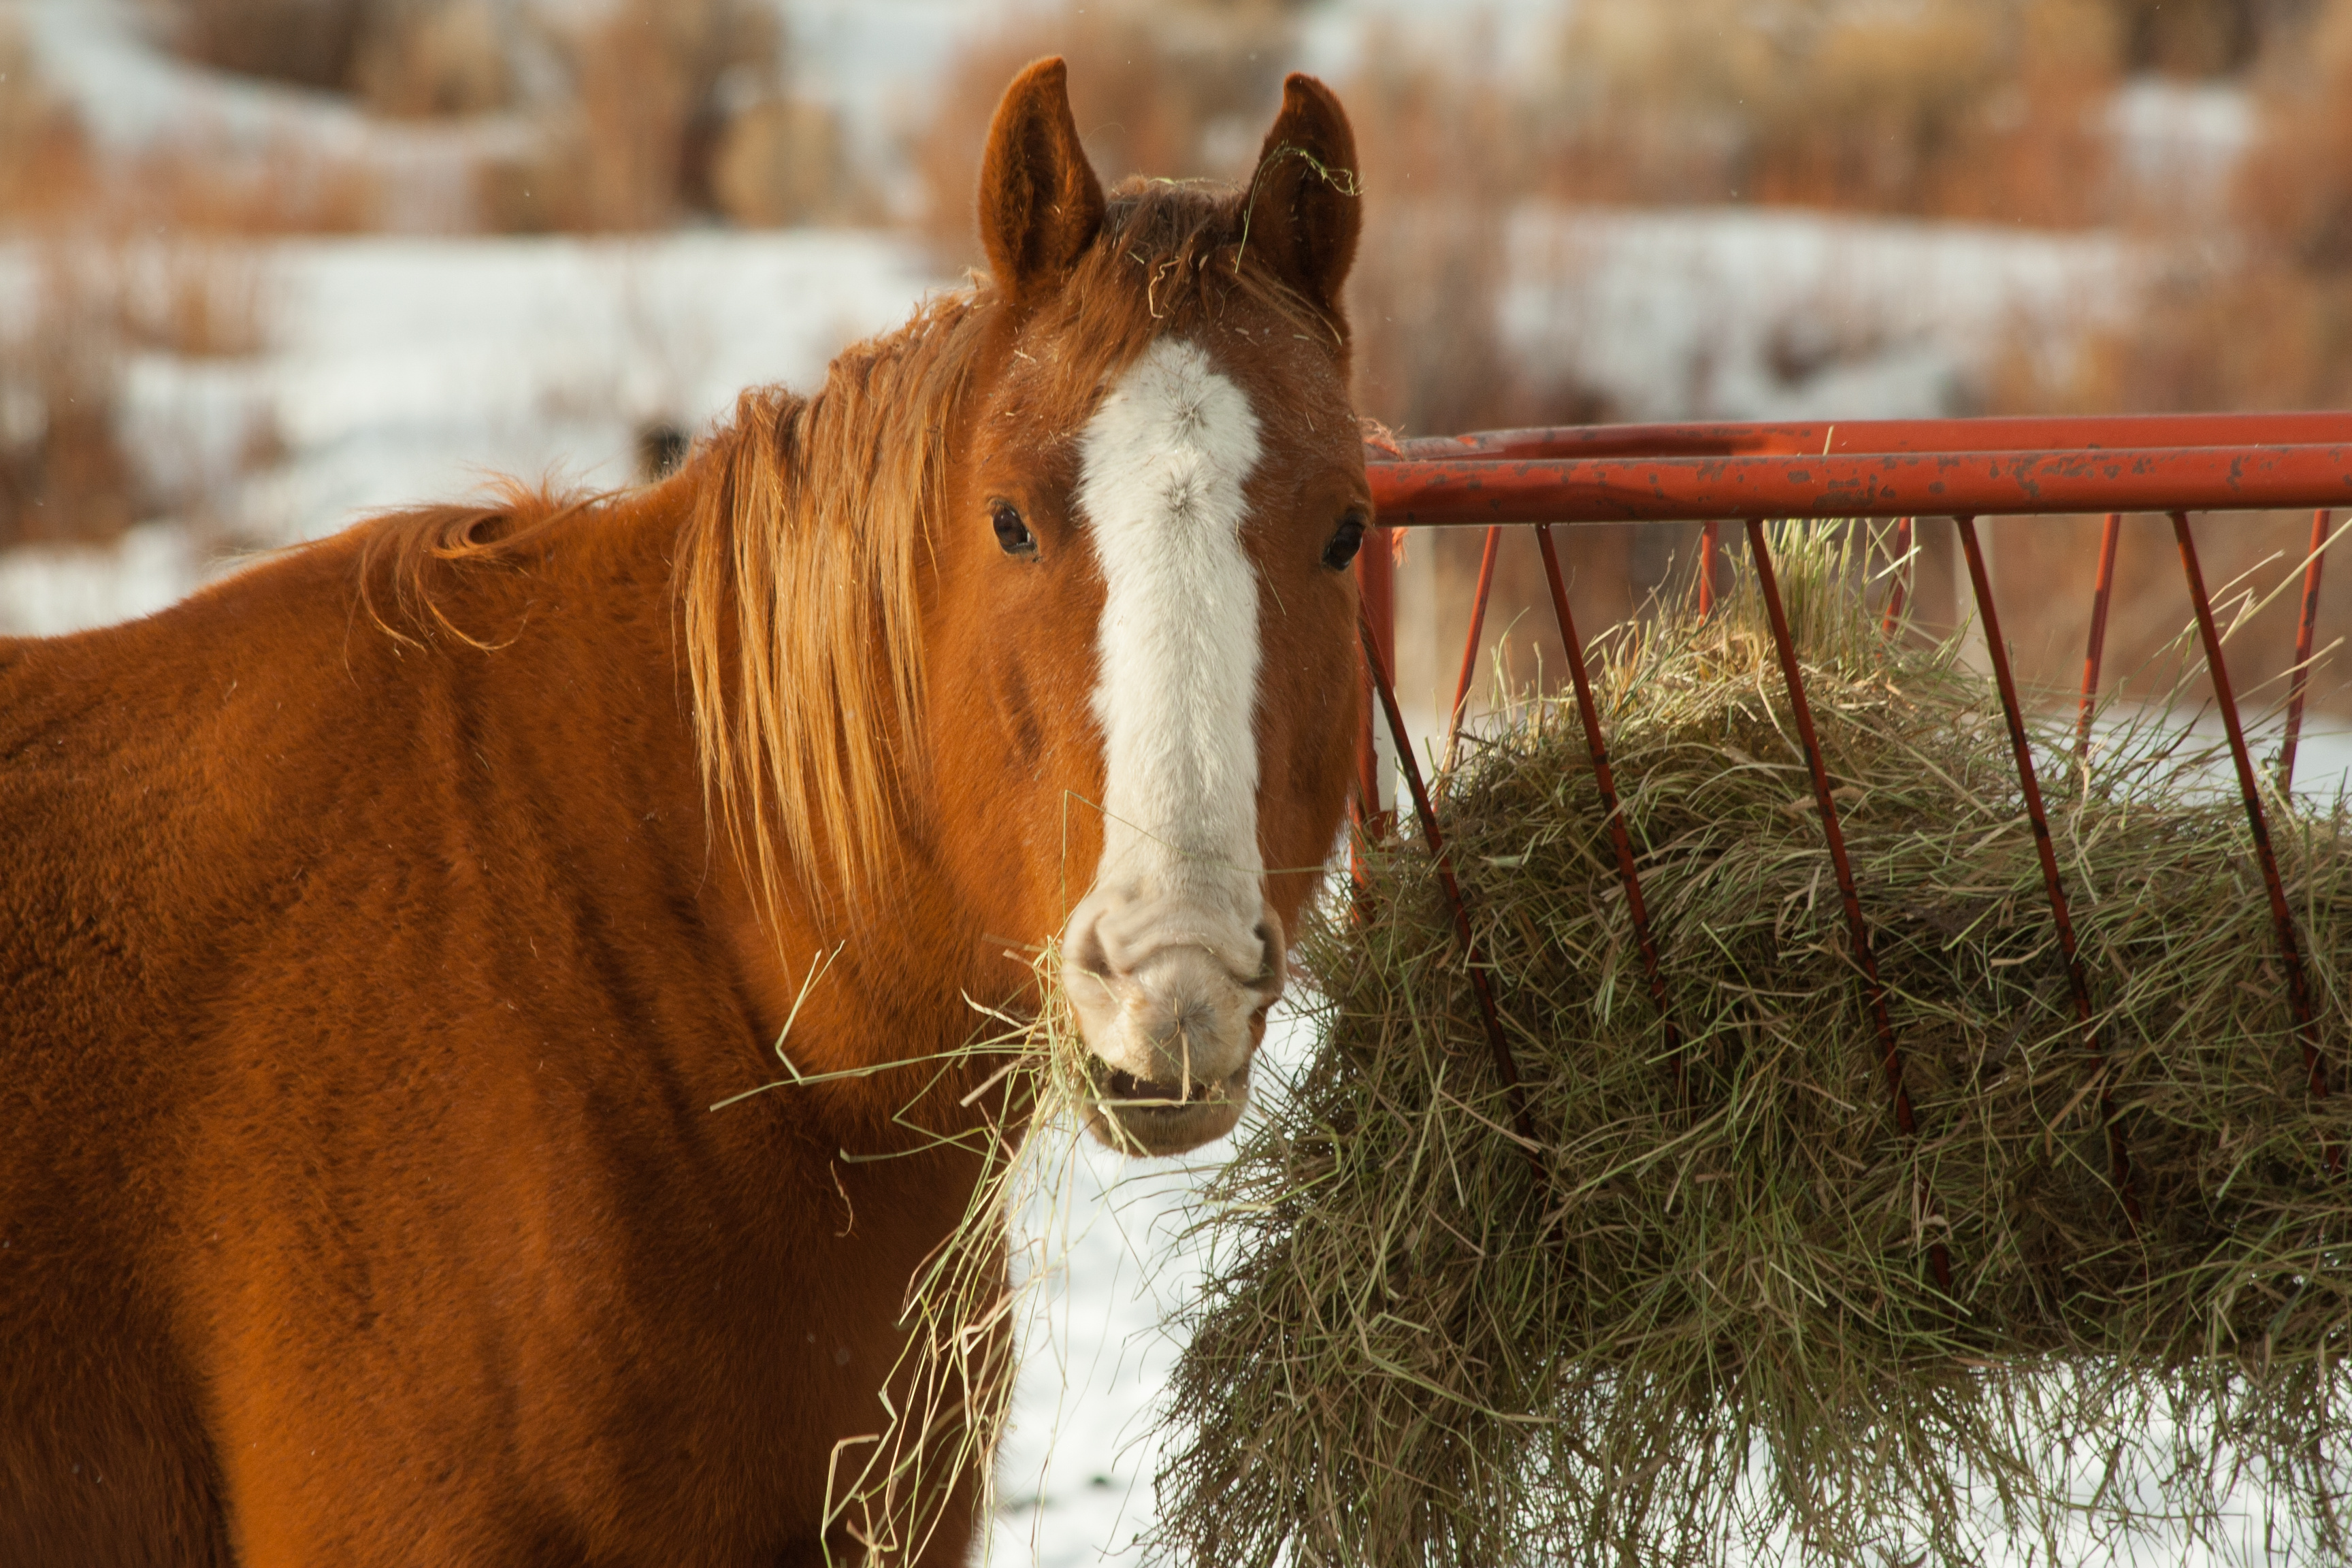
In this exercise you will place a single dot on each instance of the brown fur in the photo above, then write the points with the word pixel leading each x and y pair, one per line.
pixel 378 926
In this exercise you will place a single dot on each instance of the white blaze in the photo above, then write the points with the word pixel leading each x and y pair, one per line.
pixel 1164 461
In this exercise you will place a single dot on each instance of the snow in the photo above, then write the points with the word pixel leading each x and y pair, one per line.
pixel 1764 313
pixel 2181 140
pixel 413 366
pixel 49 590
pixel 1075 1473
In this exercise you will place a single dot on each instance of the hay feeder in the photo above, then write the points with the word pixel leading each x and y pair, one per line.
pixel 1792 1098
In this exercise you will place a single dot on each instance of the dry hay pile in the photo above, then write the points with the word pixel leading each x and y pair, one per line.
pixel 1709 1328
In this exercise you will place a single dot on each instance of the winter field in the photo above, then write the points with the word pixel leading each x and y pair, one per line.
pixel 381 370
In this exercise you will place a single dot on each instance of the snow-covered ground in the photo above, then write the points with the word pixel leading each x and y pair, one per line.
pixel 1765 313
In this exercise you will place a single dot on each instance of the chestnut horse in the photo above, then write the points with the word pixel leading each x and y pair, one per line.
pixel 379 927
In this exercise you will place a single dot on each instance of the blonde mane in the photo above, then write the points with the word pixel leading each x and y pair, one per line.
pixel 802 621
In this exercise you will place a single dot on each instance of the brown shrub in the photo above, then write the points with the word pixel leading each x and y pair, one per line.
pixel 654 86
pixel 782 162
pixel 430 58
pixel 2295 188
pixel 63 473
pixel 1974 108
pixel 649 82
pixel 402 58
pixel 540 192
pixel 194 298
pixel 44 157
pixel 310 43
pixel 196 185
pixel 2198 37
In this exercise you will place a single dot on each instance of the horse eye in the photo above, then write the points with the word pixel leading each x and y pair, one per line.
pixel 1345 542
pixel 1011 532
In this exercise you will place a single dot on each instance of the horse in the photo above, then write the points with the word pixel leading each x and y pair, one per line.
pixel 380 925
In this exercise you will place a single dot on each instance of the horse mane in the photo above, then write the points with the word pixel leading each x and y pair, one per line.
pixel 797 586
pixel 796 573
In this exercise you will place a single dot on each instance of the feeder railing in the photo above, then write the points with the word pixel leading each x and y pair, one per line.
pixel 1903 469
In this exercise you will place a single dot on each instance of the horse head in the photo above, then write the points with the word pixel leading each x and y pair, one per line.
pixel 1145 677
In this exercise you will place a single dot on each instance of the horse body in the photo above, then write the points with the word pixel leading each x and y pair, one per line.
pixel 291 1167
pixel 378 928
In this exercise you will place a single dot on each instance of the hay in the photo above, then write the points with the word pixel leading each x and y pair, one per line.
pixel 946 1404
pixel 1711 1330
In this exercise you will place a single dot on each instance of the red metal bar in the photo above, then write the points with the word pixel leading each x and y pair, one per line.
pixel 1483 492
pixel 2098 642
pixel 2302 633
pixel 1857 931
pixel 1893 616
pixel 1706 569
pixel 1507 1066
pixel 2298 987
pixel 1470 643
pixel 1864 435
pixel 1628 876
pixel 2021 748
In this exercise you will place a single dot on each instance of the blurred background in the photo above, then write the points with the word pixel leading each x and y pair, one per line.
pixel 267 265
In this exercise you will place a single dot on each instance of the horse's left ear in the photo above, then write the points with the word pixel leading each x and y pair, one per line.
pixel 1040 204
pixel 1305 209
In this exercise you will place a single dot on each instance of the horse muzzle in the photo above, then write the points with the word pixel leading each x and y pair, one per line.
pixel 1171 1010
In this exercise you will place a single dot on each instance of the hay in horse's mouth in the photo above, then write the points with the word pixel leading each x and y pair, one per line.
pixel 1125 1090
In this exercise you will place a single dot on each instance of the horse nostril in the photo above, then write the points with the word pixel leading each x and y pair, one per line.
pixel 1270 954
pixel 1087 956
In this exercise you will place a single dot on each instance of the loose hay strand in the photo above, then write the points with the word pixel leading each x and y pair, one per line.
pixel 1711 1329
pixel 947 1402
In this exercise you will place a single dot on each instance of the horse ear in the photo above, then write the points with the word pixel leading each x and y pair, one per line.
pixel 1304 212
pixel 1040 204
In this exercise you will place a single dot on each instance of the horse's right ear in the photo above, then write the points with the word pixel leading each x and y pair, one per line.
pixel 1040 204
pixel 1302 205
